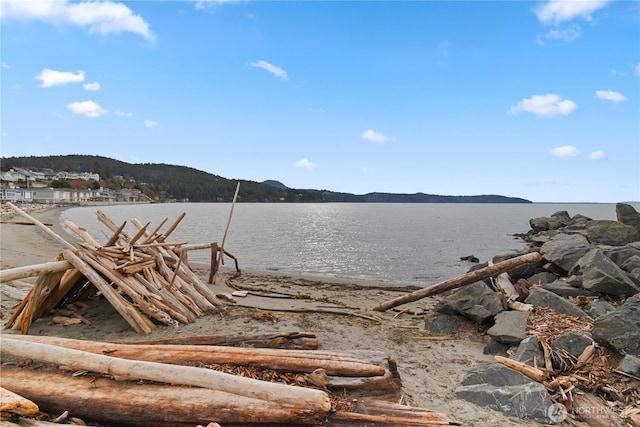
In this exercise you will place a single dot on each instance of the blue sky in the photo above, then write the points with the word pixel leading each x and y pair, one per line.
pixel 539 100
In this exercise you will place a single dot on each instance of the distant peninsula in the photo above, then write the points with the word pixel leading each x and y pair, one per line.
pixel 163 182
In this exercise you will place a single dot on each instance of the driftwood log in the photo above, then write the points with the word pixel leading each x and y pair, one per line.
pixel 314 400
pixel 289 340
pixel 471 277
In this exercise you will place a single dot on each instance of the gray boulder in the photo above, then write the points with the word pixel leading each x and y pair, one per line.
pixel 505 390
pixel 627 215
pixel 600 274
pixel 620 329
pixel 565 249
pixel 546 223
pixel 543 298
pixel 563 289
pixel 476 302
pixel 441 324
pixel 572 342
pixel 598 308
pixel 614 233
pixel 631 365
pixel 510 327
pixel 543 277
pixel 530 350
pixel 622 255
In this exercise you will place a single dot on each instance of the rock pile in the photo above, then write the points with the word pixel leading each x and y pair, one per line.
pixel 582 335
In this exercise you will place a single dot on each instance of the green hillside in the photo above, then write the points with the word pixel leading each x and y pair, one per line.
pixel 164 182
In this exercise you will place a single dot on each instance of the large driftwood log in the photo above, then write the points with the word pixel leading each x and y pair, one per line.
pixel 368 412
pixel 289 340
pixel 33 270
pixel 115 402
pixel 471 277
pixel 333 363
pixel 314 400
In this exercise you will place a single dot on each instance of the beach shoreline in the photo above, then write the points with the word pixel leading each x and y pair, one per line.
pixel 430 370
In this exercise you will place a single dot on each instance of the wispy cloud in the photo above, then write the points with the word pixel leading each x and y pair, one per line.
pixel 87 108
pixel 567 35
pixel 104 17
pixel 51 78
pixel 565 151
pixel 557 11
pixel 273 69
pixel 91 87
pixel 5 65
pixel 373 136
pixel 596 155
pixel 122 113
pixel 609 95
pixel 548 105
pixel 306 164
pixel 150 124
pixel 638 69
pixel 207 4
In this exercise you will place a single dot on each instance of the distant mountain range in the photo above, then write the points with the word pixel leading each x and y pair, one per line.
pixel 164 182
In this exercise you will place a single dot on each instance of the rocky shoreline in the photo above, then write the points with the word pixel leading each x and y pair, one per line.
pixel 583 324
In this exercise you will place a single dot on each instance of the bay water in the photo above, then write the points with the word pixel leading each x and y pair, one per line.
pixel 393 243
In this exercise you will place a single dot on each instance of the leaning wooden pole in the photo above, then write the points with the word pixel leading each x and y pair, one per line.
pixel 214 274
pixel 33 270
pixel 471 277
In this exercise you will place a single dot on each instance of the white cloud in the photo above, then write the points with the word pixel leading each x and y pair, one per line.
pixel 565 151
pixel 609 95
pixel 206 4
pixel 87 108
pixel 596 155
pixel 122 113
pixel 276 71
pixel 566 35
pixel 556 11
pixel 55 78
pixel 101 17
pixel 150 124
pixel 306 163
pixel 548 105
pixel 5 65
pixel 373 136
pixel 92 87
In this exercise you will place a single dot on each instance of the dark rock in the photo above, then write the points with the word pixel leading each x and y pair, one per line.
pixel 603 232
pixel 510 327
pixel 600 274
pixel 543 298
pixel 563 289
pixel 598 308
pixel 495 347
pixel 577 222
pixel 631 264
pixel 441 324
pixel 565 249
pixel 476 302
pixel 470 258
pixel 630 365
pixel 522 272
pixel 627 215
pixel 530 350
pixel 621 255
pixel 543 277
pixel 503 389
pixel 620 329
pixel 572 342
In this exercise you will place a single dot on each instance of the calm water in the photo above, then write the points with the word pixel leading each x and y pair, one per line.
pixel 416 244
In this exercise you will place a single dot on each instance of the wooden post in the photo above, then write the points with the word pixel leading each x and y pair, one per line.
pixel 471 277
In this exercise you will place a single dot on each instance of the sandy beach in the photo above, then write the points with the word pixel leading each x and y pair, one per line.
pixel 430 370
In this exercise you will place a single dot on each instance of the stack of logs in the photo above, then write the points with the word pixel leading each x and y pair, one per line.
pixel 143 277
pixel 185 384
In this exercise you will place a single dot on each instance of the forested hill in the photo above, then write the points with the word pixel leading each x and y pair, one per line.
pixel 163 182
